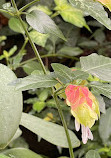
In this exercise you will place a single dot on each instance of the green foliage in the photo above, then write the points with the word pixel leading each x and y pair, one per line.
pixel 70 14
pixel 94 9
pixel 16 26
pixel 49 131
pixel 34 81
pixel 39 38
pixel 92 154
pixel 21 153
pixel 46 25
pixel 11 104
pixel 97 65
pixel 104 127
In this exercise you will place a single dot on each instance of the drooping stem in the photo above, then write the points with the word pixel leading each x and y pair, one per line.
pixel 44 70
pixel 64 125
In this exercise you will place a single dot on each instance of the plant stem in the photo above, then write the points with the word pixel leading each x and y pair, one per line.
pixel 65 126
pixel 44 70
pixel 30 40
pixel 48 55
pixel 7 12
pixel 28 5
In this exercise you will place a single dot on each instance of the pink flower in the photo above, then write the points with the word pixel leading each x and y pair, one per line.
pixel 84 107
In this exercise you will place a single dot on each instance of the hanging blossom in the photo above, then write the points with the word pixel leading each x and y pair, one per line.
pixel 106 3
pixel 84 107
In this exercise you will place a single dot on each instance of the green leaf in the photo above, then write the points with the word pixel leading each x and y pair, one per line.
pixel 100 88
pixel 97 65
pixel 51 132
pixel 42 23
pixel 66 75
pixel 31 66
pixel 39 38
pixel 92 154
pixel 39 106
pixel 44 95
pixel 105 126
pixel 34 81
pixel 43 8
pixel 63 73
pixel 70 51
pixel 71 14
pixel 21 153
pixel 101 104
pixel 16 26
pixel 94 9
pixel 88 44
pixel 78 74
pixel 10 106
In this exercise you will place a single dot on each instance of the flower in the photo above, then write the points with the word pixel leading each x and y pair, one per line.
pixel 84 107
pixel 106 3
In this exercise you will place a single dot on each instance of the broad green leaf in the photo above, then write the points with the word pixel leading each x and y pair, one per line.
pixel 100 88
pixel 31 66
pixel 51 132
pixel 21 153
pixel 94 9
pixel 39 106
pixel 39 38
pixel 34 81
pixel 92 154
pixel 16 26
pixel 10 106
pixel 70 51
pixel 97 65
pixel 105 126
pixel 78 74
pixel 42 23
pixel 66 75
pixel 71 14
pixel 63 73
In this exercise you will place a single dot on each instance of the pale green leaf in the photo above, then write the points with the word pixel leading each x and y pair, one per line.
pixel 97 65
pixel 42 23
pixel 21 153
pixel 71 15
pixel 10 106
pixel 34 81
pixel 51 132
pixel 101 103
pixel 39 38
pixel 39 106
pixel 100 88
pixel 31 66
pixel 16 26
pixel 70 51
pixel 63 73
pixel 92 154
pixel 94 9
pixel 105 126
